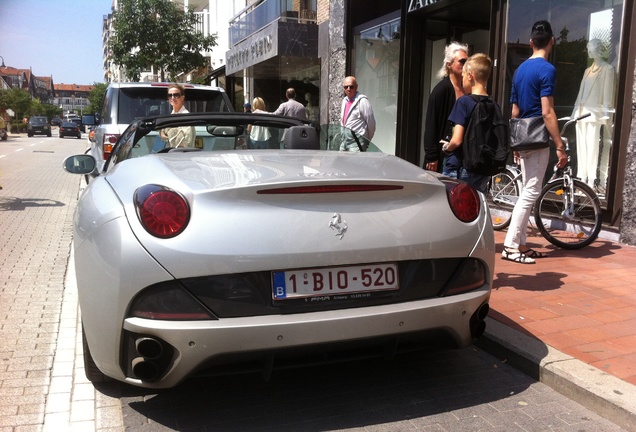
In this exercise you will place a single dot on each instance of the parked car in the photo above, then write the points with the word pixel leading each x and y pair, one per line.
pixel 56 121
pixel 38 125
pixel 70 129
pixel 123 102
pixel 213 257
pixel 4 135
pixel 78 122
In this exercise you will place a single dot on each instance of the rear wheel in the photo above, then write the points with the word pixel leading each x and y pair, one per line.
pixel 93 374
pixel 502 197
pixel 568 227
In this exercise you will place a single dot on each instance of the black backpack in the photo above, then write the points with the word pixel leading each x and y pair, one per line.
pixel 486 139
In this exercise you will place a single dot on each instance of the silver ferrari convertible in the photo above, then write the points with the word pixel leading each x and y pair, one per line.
pixel 200 250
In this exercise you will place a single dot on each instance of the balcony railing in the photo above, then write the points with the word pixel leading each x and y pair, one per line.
pixel 253 18
pixel 203 23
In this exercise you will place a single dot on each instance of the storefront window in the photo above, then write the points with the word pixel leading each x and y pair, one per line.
pixel 375 66
pixel 586 58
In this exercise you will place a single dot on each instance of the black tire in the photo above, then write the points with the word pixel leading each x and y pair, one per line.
pixel 502 196
pixel 93 374
pixel 567 231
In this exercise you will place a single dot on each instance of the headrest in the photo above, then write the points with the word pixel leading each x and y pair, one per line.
pixel 301 137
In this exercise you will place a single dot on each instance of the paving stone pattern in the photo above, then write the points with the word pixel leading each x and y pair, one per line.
pixel 41 388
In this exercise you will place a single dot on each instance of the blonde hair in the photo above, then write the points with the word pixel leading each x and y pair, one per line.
pixel 258 103
pixel 449 57
pixel 480 65
pixel 177 86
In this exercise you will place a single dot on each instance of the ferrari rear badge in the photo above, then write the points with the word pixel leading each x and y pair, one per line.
pixel 338 224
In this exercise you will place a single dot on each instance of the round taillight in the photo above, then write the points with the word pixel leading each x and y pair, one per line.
pixel 464 201
pixel 163 212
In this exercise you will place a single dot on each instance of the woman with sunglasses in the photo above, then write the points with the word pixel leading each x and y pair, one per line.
pixel 181 136
pixel 441 102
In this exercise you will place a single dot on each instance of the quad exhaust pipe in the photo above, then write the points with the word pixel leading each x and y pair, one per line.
pixel 477 321
pixel 147 366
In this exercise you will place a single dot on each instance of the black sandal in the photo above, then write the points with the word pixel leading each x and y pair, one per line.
pixel 516 256
pixel 534 254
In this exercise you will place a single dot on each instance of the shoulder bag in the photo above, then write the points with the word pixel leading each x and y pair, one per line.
pixel 528 133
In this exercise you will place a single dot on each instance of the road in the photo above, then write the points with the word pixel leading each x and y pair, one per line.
pixel 41 388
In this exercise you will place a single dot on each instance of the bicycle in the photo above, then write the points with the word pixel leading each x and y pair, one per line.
pixel 567 211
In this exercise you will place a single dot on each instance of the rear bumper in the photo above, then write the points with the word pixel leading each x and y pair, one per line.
pixel 198 343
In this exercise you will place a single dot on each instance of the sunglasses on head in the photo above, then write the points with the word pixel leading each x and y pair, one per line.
pixel 174 95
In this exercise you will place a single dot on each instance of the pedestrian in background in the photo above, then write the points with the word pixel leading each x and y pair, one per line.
pixel 179 136
pixel 532 95
pixel 476 72
pixel 291 108
pixel 247 107
pixel 441 102
pixel 259 135
pixel 356 113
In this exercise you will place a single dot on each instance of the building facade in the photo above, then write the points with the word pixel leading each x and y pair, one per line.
pixel 396 49
pixel 72 98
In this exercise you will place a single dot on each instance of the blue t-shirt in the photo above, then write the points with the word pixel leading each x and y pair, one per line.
pixel 460 115
pixel 533 80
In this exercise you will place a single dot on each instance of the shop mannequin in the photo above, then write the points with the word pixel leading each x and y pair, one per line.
pixel 596 96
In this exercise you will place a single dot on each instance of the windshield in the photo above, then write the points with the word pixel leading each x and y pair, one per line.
pixel 232 132
pixel 152 101
pixel 38 120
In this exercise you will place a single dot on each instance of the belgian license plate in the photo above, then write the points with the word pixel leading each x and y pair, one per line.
pixel 334 281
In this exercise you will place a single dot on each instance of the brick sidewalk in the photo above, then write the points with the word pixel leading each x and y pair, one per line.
pixel 39 385
pixel 581 302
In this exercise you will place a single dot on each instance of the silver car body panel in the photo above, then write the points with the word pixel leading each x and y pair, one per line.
pixel 196 342
pixel 234 229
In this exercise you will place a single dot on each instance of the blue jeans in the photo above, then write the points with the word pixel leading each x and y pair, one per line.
pixel 478 181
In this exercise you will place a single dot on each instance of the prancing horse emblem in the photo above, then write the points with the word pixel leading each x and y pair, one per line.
pixel 339 225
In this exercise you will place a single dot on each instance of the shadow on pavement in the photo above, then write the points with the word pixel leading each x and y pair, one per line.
pixel 15 204
pixel 415 387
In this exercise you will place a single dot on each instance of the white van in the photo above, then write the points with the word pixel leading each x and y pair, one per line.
pixel 126 101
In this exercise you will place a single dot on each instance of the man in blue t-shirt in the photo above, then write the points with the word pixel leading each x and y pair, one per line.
pixel 532 95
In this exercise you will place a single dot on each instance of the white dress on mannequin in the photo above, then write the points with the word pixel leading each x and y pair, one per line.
pixel 596 96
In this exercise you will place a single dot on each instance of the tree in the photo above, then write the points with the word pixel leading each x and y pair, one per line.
pixel 157 33
pixel 18 100
pixel 96 98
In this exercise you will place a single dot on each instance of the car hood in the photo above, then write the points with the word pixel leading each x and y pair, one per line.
pixel 235 228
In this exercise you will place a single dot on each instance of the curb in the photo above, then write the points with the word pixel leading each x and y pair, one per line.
pixel 606 395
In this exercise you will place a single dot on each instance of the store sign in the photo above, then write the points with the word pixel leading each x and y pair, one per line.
pixel 419 4
pixel 255 49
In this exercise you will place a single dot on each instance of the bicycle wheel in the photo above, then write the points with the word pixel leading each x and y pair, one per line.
pixel 569 228
pixel 502 197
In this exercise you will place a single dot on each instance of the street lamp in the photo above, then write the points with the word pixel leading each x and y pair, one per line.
pixel 2 62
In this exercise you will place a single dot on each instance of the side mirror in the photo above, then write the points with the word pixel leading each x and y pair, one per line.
pixel 80 164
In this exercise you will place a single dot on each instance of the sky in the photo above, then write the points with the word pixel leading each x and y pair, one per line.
pixel 58 38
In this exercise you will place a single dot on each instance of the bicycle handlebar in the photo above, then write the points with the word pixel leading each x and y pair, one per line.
pixel 569 122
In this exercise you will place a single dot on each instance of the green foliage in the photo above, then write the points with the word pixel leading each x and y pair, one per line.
pixel 17 100
pixel 96 98
pixel 157 33
pixel 571 59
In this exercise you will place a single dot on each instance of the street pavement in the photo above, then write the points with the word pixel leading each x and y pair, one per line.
pixel 568 323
